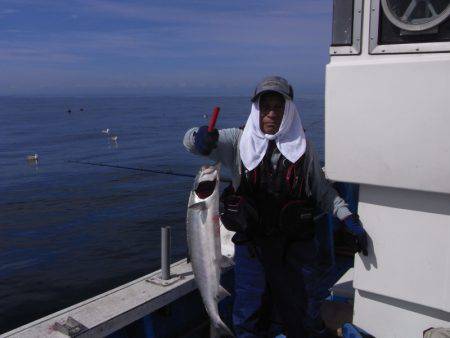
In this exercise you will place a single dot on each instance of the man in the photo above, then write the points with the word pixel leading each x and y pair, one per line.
pixel 277 183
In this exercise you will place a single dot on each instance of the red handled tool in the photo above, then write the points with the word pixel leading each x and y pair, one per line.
pixel 213 120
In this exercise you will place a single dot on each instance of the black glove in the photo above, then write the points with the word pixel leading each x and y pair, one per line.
pixel 354 227
pixel 236 212
pixel 206 141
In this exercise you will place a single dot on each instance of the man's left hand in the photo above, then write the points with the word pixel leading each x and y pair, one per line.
pixel 353 225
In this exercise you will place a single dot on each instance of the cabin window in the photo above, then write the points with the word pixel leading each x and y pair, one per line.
pixel 346 33
pixel 342 23
pixel 409 26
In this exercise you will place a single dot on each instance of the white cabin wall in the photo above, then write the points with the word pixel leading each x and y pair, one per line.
pixel 387 127
pixel 409 247
pixel 385 317
pixel 379 132
pixel 394 107
pixel 403 285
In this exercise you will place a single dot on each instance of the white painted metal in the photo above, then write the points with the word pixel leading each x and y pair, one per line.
pixel 114 309
pixel 410 252
pixel 391 117
pixel 387 120
pixel 388 318
pixel 390 113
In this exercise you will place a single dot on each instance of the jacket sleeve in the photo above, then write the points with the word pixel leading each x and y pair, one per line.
pixel 226 146
pixel 323 193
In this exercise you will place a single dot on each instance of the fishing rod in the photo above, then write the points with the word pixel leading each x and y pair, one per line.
pixel 211 125
pixel 213 120
pixel 164 172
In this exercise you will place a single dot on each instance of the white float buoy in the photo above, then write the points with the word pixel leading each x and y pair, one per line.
pixel 105 131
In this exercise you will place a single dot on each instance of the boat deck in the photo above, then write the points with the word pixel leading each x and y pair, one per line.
pixel 108 312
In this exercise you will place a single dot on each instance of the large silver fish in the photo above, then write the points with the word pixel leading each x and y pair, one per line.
pixel 203 233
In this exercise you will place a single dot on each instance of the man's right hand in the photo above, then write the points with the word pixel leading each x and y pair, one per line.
pixel 353 225
pixel 205 141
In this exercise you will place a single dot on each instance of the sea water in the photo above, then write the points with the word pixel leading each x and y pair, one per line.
pixel 70 231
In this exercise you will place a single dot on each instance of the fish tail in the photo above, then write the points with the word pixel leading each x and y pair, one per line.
pixel 221 329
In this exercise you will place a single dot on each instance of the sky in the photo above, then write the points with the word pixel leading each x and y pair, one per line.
pixel 163 47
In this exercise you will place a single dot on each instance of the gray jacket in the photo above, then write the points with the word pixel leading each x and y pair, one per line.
pixel 317 186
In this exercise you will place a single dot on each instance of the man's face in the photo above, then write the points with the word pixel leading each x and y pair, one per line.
pixel 271 110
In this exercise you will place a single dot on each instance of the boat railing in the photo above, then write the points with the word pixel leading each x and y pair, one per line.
pixel 112 310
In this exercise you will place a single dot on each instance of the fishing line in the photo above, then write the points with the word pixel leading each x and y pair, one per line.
pixel 164 172
pixel 211 125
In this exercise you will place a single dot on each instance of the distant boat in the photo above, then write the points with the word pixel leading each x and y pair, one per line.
pixel 33 158
pixel 114 138
pixel 105 131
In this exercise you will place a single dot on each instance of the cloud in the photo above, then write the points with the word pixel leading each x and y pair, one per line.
pixel 98 43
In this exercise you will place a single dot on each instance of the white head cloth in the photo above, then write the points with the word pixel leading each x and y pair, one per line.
pixel 290 138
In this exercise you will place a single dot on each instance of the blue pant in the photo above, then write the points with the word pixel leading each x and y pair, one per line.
pixel 279 279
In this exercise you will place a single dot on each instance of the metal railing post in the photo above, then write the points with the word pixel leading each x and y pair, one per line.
pixel 165 253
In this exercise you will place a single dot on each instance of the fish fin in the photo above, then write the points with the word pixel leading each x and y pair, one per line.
pixel 221 329
pixel 224 262
pixel 198 206
pixel 222 293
